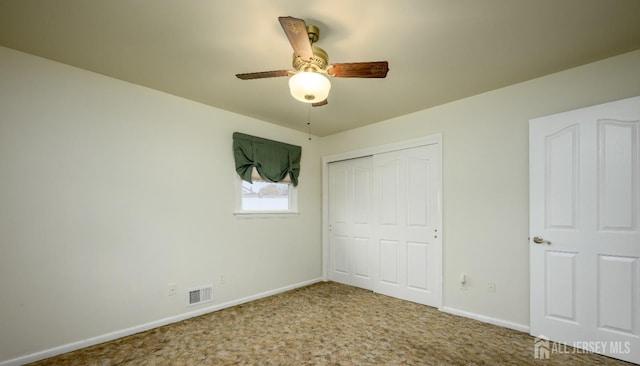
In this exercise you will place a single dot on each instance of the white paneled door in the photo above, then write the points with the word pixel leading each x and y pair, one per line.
pixel 585 228
pixel 350 222
pixel 407 250
pixel 384 223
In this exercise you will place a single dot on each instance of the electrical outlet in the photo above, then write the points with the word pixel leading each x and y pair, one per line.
pixel 492 287
pixel 171 289
pixel 222 279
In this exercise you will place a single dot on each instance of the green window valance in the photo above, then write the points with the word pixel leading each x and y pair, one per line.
pixel 272 159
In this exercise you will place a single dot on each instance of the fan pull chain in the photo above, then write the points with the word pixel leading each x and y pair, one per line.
pixel 309 121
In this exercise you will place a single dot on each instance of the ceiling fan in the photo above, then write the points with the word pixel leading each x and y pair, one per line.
pixel 308 82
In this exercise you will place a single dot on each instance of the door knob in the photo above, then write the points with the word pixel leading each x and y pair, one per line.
pixel 540 240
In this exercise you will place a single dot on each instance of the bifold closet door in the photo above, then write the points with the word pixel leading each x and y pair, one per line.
pixel 407 249
pixel 350 222
pixel 384 219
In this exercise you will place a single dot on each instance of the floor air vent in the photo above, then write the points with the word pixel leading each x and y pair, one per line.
pixel 200 295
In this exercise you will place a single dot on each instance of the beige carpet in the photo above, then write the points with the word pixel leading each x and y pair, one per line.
pixel 325 324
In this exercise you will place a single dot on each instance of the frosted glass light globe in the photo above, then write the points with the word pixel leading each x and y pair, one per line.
pixel 309 87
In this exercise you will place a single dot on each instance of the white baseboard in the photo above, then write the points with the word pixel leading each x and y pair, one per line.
pixel 143 327
pixel 486 319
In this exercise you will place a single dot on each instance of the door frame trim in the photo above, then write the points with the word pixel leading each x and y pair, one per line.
pixel 435 139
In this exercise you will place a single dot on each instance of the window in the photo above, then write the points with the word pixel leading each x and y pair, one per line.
pixel 266 197
pixel 267 175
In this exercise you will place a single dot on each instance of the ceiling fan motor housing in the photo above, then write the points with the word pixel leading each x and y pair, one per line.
pixel 318 62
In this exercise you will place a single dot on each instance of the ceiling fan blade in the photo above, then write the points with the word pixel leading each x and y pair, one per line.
pixel 296 31
pixel 376 69
pixel 264 74
pixel 320 104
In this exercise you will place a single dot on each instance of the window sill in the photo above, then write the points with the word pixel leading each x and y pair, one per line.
pixel 265 214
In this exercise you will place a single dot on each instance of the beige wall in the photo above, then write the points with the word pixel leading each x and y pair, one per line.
pixel 109 191
pixel 486 210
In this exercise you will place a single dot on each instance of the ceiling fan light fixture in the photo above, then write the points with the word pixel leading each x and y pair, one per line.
pixel 309 87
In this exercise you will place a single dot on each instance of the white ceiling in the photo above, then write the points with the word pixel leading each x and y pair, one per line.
pixel 438 50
